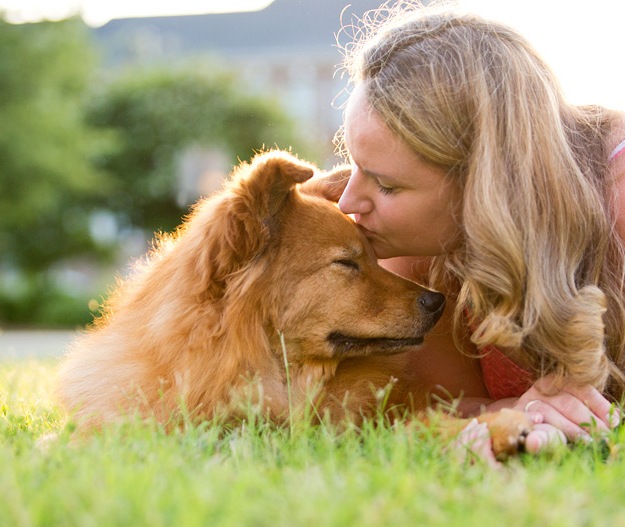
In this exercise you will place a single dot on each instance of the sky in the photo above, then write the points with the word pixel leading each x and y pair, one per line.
pixel 580 39
pixel 98 12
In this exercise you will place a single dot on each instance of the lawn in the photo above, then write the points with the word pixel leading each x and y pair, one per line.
pixel 261 476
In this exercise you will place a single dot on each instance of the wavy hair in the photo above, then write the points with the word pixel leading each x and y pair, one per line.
pixel 541 267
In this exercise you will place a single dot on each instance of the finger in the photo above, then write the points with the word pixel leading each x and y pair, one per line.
pixel 329 185
pixel 543 436
pixel 475 441
pixel 614 417
pixel 558 416
pixel 533 416
pixel 602 410
pixel 575 407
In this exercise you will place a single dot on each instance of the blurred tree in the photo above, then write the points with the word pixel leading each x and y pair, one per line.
pixel 154 115
pixel 83 162
pixel 45 168
pixel 44 144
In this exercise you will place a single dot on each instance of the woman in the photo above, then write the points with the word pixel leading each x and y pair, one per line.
pixel 472 172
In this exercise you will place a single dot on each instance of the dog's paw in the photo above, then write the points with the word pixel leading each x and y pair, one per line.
pixel 508 431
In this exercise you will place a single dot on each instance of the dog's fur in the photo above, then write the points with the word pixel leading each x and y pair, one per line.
pixel 258 273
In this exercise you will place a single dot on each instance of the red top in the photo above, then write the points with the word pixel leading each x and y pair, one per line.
pixel 502 376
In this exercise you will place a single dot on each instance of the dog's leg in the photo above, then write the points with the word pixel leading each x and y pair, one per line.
pixel 507 429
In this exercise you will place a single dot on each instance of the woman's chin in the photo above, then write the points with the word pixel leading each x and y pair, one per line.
pixel 383 252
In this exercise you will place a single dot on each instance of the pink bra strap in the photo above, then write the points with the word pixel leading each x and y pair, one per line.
pixel 620 148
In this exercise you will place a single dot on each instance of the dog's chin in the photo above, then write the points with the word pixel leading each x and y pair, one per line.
pixel 350 346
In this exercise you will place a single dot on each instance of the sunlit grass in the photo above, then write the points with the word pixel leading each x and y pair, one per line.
pixel 260 475
pixel 27 407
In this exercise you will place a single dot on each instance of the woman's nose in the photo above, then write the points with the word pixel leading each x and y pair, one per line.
pixel 354 199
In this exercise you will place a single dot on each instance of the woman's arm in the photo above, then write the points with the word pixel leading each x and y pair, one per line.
pixel 618 176
pixel 452 374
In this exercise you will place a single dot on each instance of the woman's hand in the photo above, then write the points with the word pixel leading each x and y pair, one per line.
pixel 329 185
pixel 568 414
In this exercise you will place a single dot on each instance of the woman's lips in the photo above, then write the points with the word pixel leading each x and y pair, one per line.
pixel 368 234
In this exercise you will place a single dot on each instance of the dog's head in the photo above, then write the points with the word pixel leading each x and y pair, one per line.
pixel 233 229
pixel 303 268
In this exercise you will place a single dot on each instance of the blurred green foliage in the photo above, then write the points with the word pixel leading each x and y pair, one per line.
pixel 153 115
pixel 74 147
pixel 45 147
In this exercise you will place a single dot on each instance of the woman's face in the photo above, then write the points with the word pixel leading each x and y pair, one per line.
pixel 404 206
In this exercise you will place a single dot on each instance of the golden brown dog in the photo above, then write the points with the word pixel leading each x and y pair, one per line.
pixel 265 294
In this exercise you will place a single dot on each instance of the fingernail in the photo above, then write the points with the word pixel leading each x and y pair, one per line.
pixel 613 418
pixel 537 444
pixel 542 441
pixel 585 438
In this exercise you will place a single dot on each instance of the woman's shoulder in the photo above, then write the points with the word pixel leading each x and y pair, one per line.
pixel 411 267
pixel 616 147
pixel 616 142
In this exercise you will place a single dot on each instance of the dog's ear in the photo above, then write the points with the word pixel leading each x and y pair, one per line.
pixel 244 216
pixel 329 185
pixel 268 180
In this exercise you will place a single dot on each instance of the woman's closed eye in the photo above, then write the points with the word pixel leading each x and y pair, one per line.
pixel 383 188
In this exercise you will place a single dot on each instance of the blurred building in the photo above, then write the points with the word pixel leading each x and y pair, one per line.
pixel 287 50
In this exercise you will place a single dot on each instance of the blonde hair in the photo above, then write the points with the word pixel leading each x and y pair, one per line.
pixel 540 262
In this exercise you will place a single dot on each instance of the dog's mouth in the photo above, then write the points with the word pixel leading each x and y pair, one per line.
pixel 346 345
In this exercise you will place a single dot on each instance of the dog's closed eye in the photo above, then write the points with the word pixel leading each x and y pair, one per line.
pixel 350 264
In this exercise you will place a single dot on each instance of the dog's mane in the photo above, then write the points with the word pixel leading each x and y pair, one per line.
pixel 201 272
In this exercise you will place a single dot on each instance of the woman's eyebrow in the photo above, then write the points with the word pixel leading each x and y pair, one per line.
pixel 377 175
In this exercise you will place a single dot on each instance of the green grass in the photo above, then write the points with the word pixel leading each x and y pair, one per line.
pixel 261 476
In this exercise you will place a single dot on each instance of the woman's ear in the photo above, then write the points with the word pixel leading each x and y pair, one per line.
pixel 328 185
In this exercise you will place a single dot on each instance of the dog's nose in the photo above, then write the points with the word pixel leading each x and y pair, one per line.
pixel 431 301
